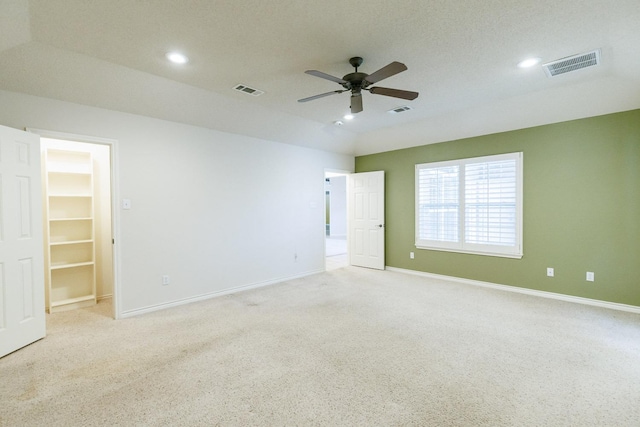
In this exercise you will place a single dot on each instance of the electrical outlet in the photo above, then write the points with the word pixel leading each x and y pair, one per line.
pixel 411 255
pixel 590 276
pixel 550 271
pixel 165 280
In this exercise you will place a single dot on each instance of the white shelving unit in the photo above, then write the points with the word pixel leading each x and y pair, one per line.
pixel 69 230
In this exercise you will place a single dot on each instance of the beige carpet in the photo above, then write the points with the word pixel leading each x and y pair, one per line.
pixel 347 347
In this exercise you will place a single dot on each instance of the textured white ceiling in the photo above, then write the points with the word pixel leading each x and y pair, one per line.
pixel 461 57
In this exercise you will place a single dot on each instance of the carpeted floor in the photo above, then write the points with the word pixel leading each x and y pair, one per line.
pixel 347 347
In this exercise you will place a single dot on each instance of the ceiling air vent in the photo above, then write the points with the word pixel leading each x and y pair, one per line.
pixel 399 109
pixel 572 63
pixel 249 90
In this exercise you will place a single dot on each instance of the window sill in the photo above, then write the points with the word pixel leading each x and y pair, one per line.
pixel 470 252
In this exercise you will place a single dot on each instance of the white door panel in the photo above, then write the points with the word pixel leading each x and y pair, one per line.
pixel 366 219
pixel 22 315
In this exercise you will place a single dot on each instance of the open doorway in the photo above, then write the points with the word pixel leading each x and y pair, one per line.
pixel 77 222
pixel 336 252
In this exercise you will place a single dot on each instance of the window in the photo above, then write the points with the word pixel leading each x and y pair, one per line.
pixel 471 205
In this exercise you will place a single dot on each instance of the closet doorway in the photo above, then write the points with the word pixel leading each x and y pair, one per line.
pixel 77 221
pixel 336 255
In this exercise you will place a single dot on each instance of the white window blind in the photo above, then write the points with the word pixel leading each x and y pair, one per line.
pixel 439 196
pixel 471 205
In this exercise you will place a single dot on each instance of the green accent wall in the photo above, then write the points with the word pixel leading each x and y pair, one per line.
pixel 581 208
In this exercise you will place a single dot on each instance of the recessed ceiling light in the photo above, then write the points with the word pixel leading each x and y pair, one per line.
pixel 348 117
pixel 529 62
pixel 177 58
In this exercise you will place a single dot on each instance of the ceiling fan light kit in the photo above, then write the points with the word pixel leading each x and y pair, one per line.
pixel 356 82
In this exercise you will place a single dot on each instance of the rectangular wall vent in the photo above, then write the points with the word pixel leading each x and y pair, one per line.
pixel 399 109
pixel 572 63
pixel 249 90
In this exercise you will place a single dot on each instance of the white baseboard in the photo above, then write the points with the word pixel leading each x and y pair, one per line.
pixel 152 308
pixel 103 297
pixel 543 294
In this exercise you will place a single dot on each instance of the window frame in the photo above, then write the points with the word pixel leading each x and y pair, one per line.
pixel 515 251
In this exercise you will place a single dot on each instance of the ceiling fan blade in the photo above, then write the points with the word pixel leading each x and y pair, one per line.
pixel 396 93
pixel 322 95
pixel 325 76
pixel 384 72
pixel 356 103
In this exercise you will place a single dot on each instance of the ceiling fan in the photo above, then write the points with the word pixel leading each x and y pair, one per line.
pixel 357 82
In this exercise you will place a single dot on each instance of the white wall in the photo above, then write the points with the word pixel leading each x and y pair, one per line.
pixel 338 206
pixel 212 210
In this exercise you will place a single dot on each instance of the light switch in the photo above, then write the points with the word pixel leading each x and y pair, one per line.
pixel 126 203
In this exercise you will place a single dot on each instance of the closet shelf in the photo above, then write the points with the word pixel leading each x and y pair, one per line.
pixel 67 302
pixel 70 195
pixel 62 170
pixel 70 229
pixel 70 242
pixel 71 300
pixel 77 264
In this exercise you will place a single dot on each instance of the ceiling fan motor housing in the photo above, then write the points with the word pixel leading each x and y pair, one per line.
pixel 354 81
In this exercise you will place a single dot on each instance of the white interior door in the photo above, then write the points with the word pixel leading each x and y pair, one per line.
pixel 22 315
pixel 366 219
